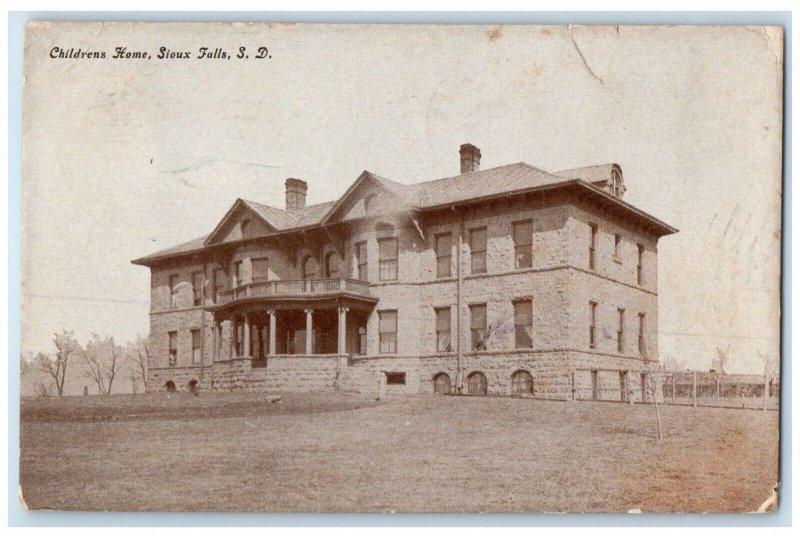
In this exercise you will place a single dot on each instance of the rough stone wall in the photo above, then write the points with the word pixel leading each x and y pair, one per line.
pixel 611 296
pixel 299 373
pixel 230 374
pixel 182 322
pixel 157 378
pixel 550 371
pixel 577 232
pixel 364 375
pixel 559 284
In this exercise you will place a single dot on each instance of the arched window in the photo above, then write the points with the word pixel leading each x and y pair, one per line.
pixel 170 386
pixel 521 382
pixel 441 383
pixel 247 228
pixel 616 183
pixel 192 386
pixel 476 384
pixel 332 265
pixel 369 204
pixel 309 268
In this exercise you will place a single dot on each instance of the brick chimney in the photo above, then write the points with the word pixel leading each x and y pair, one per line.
pixel 470 158
pixel 295 194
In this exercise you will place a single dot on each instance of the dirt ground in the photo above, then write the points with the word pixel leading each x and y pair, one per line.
pixel 336 452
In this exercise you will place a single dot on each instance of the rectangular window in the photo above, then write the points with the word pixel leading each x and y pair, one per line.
pixel 387 259
pixel 173 291
pixel 477 248
pixel 621 330
pixel 623 386
pixel 641 333
pixel 387 330
pixel 444 254
pixel 595 386
pixel 197 288
pixel 523 244
pixel 197 346
pixel 395 378
pixel 592 320
pixel 639 264
pixel 361 261
pixel 592 245
pixel 523 324
pixel 172 337
pixel 477 325
pixel 617 243
pixel 238 275
pixel 219 283
pixel 260 269
pixel 443 329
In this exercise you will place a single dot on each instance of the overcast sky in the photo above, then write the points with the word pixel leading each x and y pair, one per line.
pixel 127 157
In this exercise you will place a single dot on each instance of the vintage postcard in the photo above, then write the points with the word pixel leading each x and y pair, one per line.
pixel 401 268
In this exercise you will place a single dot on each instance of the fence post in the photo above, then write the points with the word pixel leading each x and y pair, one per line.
pixel 694 389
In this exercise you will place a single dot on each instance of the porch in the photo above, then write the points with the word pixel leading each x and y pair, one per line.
pixel 325 317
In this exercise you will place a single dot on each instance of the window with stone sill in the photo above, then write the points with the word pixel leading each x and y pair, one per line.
pixel 478 326
pixel 173 291
pixel 387 331
pixel 443 330
pixel 197 346
pixel 219 284
pixel 592 326
pixel 238 275
pixel 639 264
pixel 361 261
pixel 617 247
pixel 387 258
pixel 477 249
pixel 523 244
pixel 197 288
pixel 444 254
pixel 172 338
pixel 523 324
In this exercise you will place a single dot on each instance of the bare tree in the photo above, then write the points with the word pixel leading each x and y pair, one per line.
pixel 56 366
pixel 140 355
pixel 720 365
pixel 671 364
pixel 104 359
pixel 652 381
pixel 43 390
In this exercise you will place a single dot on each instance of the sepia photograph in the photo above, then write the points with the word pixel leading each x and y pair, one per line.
pixel 385 268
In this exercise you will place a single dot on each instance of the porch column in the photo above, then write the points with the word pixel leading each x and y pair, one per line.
pixel 234 337
pixel 246 336
pixel 309 331
pixel 217 340
pixel 272 332
pixel 342 346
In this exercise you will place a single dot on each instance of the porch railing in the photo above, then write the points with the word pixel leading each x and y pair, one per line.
pixel 268 288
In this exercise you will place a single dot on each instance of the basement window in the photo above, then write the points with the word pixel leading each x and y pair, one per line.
pixel 395 378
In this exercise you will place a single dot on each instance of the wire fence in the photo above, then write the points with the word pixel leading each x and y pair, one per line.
pixel 697 389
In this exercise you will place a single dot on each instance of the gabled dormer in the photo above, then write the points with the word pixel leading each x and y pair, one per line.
pixel 605 176
pixel 369 195
pixel 244 220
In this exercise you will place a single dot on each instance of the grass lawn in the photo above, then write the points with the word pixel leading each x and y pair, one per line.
pixel 338 452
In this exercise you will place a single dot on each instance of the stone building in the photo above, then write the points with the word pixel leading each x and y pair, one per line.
pixel 510 280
